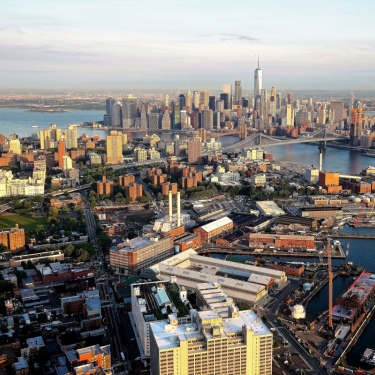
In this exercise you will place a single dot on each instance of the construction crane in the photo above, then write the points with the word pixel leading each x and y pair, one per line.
pixel 372 210
pixel 330 283
pixel 356 219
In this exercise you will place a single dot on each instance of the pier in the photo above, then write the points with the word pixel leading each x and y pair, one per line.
pixel 358 236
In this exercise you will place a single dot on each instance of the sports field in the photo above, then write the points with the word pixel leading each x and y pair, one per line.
pixel 28 222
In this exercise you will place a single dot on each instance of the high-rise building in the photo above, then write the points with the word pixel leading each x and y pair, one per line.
pixel 71 137
pixel 144 113
pixel 154 121
pixel 189 99
pixel 237 93
pixel 263 104
pixel 258 77
pixel 289 115
pixel 129 111
pixel 278 101
pixel 176 116
pixel 227 89
pixel 207 119
pixel 13 238
pixel 338 111
pixel 55 132
pixel 239 343
pixel 225 98
pixel 204 97
pixel 211 102
pixel 182 101
pixel 61 152
pixel 273 102
pixel 15 146
pixel 114 148
pixel 67 163
pixel 45 139
pixel 166 120
pixel 220 105
pixel 109 109
pixel 166 100
pixel 140 154
pixel 289 98
pixel 195 99
pixel 194 149
pixel 117 115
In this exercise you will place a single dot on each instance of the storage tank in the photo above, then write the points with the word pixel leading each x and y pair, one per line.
pixel 366 200
pixel 357 200
pixel 298 312
pixel 306 287
pixel 176 249
pixel 352 197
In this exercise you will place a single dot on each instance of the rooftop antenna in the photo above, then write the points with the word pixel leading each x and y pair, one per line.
pixel 258 61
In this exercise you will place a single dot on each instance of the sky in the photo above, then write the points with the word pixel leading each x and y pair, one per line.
pixel 128 45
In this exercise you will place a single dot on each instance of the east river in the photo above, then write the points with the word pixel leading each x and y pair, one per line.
pixel 362 252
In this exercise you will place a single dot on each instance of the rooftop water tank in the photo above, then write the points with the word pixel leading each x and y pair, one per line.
pixel 306 286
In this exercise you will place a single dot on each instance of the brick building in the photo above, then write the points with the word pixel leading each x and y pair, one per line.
pixel 133 191
pixel 214 229
pixel 139 253
pixel 188 241
pixel 126 180
pixel 13 238
pixel 290 269
pixel 281 241
pixel 59 272
pixel 104 187
pixel 166 187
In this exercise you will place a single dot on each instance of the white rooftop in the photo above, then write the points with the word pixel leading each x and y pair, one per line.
pixel 216 224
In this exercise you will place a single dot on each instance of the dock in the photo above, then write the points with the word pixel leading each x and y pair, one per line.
pixel 358 236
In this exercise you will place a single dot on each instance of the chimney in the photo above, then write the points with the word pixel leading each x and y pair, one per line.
pixel 320 159
pixel 178 210
pixel 170 206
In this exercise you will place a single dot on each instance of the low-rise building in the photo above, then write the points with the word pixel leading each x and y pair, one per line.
pixel 21 367
pixel 33 344
pixel 213 230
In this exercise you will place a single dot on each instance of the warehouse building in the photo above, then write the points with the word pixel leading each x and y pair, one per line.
pixel 214 229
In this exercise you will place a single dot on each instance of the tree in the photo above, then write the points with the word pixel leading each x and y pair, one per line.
pixel 104 240
pixel 69 250
pixel 65 210
pixel 159 197
pixel 53 211
pixel 83 255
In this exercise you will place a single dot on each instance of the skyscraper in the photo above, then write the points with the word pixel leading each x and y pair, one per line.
pixel 117 115
pixel 211 102
pixel 182 101
pixel 45 139
pixel 55 132
pixel 263 105
pixel 144 113
pixel 189 99
pixel 257 84
pixel 194 149
pixel 237 92
pixel 204 97
pixel 207 119
pixel 338 110
pixel 109 107
pixel 129 111
pixel 71 137
pixel 176 116
pixel 114 148
pixel 227 89
pixel 278 101
pixel 273 102
pixel 166 100
pixel 196 99
pixel 225 98
pixel 166 120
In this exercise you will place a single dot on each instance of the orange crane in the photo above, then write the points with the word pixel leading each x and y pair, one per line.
pixel 330 284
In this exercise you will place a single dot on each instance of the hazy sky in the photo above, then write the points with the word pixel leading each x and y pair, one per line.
pixel 92 44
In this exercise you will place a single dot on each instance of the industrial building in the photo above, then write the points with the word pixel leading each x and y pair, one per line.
pixel 321 212
pixel 139 253
pixel 214 229
pixel 239 344
pixel 153 302
pixel 242 282
pixel 280 241
pixel 269 208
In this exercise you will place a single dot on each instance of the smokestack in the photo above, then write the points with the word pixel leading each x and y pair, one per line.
pixel 170 206
pixel 320 159
pixel 178 210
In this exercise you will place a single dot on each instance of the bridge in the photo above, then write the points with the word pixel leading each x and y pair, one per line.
pixel 260 139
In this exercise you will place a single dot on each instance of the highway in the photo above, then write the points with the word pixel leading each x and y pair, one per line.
pixel 103 282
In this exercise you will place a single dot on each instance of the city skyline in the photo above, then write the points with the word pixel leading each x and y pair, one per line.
pixel 74 45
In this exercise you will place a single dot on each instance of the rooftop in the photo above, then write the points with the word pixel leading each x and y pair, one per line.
pixel 216 224
pixel 137 243
pixel 169 336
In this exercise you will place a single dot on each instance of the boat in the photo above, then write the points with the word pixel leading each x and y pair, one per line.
pixel 369 153
pixel 34 126
pixel 368 357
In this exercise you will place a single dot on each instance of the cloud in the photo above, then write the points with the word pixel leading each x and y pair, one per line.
pixel 231 37
pixel 77 53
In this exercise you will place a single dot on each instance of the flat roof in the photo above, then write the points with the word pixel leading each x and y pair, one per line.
pixel 216 224
pixel 168 336
pixel 270 207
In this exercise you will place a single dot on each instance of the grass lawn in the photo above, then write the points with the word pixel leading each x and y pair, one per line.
pixel 27 222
